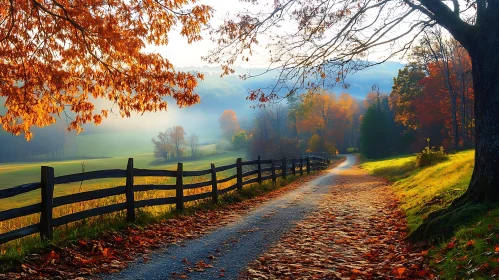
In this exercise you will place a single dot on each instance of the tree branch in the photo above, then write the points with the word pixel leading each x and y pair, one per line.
pixel 451 21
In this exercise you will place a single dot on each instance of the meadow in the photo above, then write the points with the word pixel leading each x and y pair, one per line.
pixel 422 191
pixel 21 173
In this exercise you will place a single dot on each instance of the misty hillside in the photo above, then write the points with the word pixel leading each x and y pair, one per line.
pixel 124 137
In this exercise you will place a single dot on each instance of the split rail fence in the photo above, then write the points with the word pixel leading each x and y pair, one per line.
pixel 49 202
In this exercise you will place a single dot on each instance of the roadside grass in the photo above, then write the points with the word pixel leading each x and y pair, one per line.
pixel 473 250
pixel 13 252
pixel 393 169
pixel 425 190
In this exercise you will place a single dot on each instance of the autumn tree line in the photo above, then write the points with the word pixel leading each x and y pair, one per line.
pixel 431 103
pixel 309 123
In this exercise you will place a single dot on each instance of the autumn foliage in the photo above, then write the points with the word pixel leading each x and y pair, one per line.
pixel 168 144
pixel 328 119
pixel 59 59
pixel 229 124
pixel 433 97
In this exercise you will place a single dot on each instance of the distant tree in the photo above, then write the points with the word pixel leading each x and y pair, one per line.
pixel 330 117
pixel 168 144
pixel 406 89
pixel 374 134
pixel 432 95
pixel 240 140
pixel 315 144
pixel 449 63
pixel 229 124
pixel 193 141
pixel 163 147
pixel 176 135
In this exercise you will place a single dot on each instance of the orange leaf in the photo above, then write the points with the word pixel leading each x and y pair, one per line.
pixel 54 255
pixel 400 271
pixel 470 243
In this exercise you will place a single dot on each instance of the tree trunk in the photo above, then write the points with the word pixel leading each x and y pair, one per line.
pixel 484 184
pixel 455 128
pixel 483 190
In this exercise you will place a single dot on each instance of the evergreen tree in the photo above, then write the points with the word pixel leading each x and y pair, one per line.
pixel 374 133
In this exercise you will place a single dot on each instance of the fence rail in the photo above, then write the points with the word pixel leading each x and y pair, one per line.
pixel 48 181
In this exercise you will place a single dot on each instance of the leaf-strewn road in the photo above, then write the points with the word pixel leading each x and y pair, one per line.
pixel 357 232
pixel 227 251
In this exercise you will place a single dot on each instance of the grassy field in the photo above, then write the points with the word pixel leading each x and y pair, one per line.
pixel 15 174
pixel 22 173
pixel 472 251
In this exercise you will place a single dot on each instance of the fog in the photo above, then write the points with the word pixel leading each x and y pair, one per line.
pixel 118 136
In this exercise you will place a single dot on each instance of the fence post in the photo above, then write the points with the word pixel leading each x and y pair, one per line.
pixel 180 187
pixel 214 186
pixel 293 166
pixel 284 162
pixel 130 198
pixel 308 165
pixel 301 166
pixel 239 168
pixel 259 170
pixel 47 186
pixel 274 178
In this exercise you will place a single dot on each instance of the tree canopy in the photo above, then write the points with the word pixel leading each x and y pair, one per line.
pixel 316 43
pixel 58 57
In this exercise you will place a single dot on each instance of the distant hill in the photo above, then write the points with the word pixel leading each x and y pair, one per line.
pixel 360 82
pixel 217 94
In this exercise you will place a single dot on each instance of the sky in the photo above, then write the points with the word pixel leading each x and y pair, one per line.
pixel 181 55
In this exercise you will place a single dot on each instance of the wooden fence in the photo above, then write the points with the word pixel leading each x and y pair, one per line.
pixel 48 181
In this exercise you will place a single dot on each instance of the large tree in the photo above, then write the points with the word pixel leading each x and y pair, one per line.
pixel 315 41
pixel 58 57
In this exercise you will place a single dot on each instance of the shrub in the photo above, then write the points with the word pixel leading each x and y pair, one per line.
pixel 352 150
pixel 240 140
pixel 429 157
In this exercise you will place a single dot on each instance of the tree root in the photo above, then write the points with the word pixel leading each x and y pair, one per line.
pixel 441 224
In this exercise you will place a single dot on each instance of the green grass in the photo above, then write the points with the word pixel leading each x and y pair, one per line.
pixel 473 250
pixel 474 254
pixel 422 191
pixel 21 173
pixel 393 169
